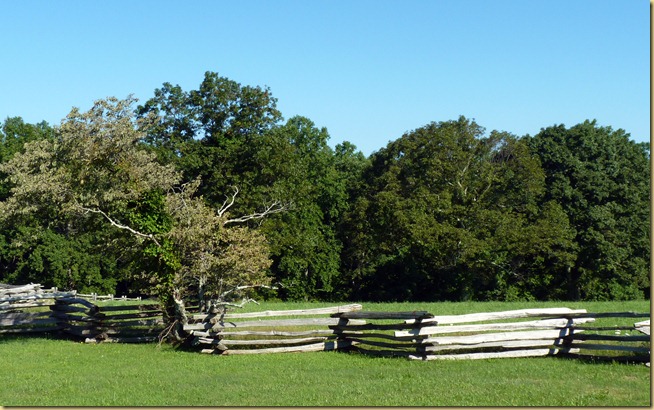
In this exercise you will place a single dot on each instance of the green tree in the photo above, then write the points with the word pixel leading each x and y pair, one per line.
pixel 304 242
pixel 14 133
pixel 601 179
pixel 213 133
pixel 231 137
pixel 443 215
pixel 51 255
pixel 96 172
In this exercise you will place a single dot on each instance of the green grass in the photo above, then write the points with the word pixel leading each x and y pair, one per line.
pixel 457 308
pixel 48 372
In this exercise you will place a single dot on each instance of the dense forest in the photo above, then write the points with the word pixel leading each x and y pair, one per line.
pixel 203 190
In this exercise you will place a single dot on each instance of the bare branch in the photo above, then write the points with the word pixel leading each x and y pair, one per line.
pixel 237 288
pixel 227 205
pixel 119 225
pixel 274 208
pixel 216 304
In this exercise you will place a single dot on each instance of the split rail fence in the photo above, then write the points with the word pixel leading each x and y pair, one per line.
pixel 124 324
pixel 251 333
pixel 32 309
pixel 95 297
pixel 417 335
pixel 24 309
pixel 422 336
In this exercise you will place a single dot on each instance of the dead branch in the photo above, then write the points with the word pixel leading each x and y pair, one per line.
pixel 228 203
pixel 119 225
pixel 237 288
pixel 220 305
pixel 274 208
pixel 167 332
pixel 215 305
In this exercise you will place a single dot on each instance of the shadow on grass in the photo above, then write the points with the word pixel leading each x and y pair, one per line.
pixel 17 337
pixel 594 359
pixel 188 347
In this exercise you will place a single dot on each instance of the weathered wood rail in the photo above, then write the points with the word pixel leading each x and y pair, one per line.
pixel 462 337
pixel 14 297
pixel 30 309
pixel 223 334
pixel 95 297
pixel 417 335
pixel 23 309
pixel 124 324
pixel 379 336
pixel 556 331
pixel 422 336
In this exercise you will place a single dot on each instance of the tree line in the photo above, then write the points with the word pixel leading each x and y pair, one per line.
pixel 210 190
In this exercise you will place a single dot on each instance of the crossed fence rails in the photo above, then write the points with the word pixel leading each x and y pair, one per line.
pixel 417 335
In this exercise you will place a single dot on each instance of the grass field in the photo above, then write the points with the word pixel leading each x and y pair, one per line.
pixel 48 372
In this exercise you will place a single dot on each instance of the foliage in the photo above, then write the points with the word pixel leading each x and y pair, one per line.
pixel 14 133
pixel 601 179
pixel 55 252
pixel 91 170
pixel 212 259
pixel 198 191
pixel 212 133
pixel 452 214
pixel 230 136
pixel 34 255
pixel 96 174
pixel 306 250
pixel 94 163
pixel 139 375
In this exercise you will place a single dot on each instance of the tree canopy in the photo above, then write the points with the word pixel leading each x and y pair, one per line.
pixel 602 180
pixel 96 177
pixel 196 192
pixel 451 213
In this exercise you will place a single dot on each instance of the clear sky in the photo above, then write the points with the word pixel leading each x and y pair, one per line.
pixel 367 70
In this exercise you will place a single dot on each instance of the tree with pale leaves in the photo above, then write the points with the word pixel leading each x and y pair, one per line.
pixel 97 171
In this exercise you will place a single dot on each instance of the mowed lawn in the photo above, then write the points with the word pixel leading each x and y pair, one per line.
pixel 48 372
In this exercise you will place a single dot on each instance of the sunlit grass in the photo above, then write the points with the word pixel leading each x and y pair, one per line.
pixel 42 371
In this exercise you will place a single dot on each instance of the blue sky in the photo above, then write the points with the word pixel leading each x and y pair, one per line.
pixel 367 70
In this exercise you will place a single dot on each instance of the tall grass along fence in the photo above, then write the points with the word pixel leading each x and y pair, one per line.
pixel 417 335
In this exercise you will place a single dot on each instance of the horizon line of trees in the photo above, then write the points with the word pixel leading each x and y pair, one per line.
pixel 213 184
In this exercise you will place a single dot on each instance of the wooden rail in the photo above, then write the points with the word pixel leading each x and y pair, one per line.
pixel 417 335
pixel 516 333
pixel 96 298
pixel 22 309
pixel 82 319
pixel 223 334
pixel 566 335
